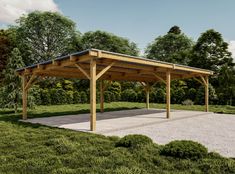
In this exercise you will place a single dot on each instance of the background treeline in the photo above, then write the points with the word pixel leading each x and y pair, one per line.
pixel 41 36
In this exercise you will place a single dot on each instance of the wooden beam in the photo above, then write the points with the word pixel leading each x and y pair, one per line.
pixel 82 70
pixel 159 78
pixel 104 70
pixel 206 94
pixel 168 93
pixel 93 94
pixel 142 61
pixel 24 98
pixel 101 96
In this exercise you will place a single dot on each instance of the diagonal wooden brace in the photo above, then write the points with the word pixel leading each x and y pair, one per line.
pixel 83 71
pixel 29 83
pixel 160 78
pixel 104 70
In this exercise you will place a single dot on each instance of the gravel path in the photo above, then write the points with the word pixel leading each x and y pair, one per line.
pixel 215 131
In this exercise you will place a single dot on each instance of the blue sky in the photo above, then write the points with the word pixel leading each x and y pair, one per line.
pixel 143 20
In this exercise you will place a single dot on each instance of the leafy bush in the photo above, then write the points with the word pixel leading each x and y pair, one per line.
pixel 58 96
pixel 187 102
pixel 69 97
pixel 107 96
pixel 45 97
pixel 160 95
pixel 84 98
pixel 177 95
pixel 35 91
pixel 191 94
pixel 134 141
pixel 115 89
pixel 200 97
pixel 129 95
pixel 141 97
pixel 76 97
pixel 184 149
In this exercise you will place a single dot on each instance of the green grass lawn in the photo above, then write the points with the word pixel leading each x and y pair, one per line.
pixel 32 148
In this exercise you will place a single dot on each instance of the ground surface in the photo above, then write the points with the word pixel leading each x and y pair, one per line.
pixel 215 131
pixel 31 148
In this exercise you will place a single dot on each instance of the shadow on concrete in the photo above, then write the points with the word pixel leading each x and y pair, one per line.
pixel 80 118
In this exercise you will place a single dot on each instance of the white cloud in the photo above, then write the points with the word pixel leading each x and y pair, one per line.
pixel 10 10
pixel 231 48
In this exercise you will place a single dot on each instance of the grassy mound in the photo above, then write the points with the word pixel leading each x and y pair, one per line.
pixel 184 149
pixel 134 141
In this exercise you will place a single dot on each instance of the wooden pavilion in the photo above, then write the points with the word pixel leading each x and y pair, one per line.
pixel 102 65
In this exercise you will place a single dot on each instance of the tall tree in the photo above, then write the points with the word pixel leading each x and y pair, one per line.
pixel 173 47
pixel 109 42
pixel 226 86
pixel 6 46
pixel 211 52
pixel 45 35
pixel 12 82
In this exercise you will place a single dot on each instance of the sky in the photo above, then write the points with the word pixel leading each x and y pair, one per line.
pixel 141 21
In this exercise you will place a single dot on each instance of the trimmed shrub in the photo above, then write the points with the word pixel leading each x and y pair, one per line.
pixel 134 141
pixel 187 102
pixel 184 149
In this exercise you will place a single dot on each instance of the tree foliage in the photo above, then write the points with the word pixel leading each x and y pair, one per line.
pixel 12 82
pixel 45 35
pixel 109 42
pixel 6 46
pixel 211 52
pixel 173 47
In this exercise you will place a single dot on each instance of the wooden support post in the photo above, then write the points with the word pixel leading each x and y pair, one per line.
pixel 206 94
pixel 168 93
pixel 101 96
pixel 147 89
pixel 93 94
pixel 24 97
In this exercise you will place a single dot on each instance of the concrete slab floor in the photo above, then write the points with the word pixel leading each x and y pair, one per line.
pixel 215 131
